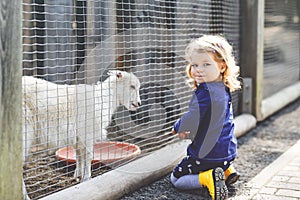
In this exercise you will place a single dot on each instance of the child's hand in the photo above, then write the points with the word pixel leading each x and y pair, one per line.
pixel 173 131
pixel 184 135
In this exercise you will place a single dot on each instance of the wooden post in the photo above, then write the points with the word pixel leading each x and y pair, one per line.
pixel 10 100
pixel 251 57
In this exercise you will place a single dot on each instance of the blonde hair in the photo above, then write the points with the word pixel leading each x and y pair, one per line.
pixel 221 50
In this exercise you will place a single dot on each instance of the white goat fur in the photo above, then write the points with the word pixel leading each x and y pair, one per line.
pixel 61 115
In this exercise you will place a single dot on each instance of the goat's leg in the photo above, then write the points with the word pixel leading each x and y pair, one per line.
pixel 87 164
pixel 78 170
pixel 103 136
pixel 87 168
pixel 83 164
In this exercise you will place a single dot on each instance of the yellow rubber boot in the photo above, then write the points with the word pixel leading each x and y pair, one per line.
pixel 213 180
pixel 231 175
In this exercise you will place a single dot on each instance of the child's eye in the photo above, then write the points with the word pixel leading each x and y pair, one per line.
pixel 197 66
pixel 206 64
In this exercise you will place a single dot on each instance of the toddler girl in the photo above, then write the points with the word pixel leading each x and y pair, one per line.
pixel 209 123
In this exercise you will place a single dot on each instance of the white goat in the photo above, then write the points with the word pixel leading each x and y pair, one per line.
pixel 61 115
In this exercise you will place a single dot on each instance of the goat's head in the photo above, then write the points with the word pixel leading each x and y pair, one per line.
pixel 127 89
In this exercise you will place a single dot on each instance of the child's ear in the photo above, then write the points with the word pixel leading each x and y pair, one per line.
pixel 223 67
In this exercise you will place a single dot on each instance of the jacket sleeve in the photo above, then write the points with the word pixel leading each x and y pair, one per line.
pixel 191 120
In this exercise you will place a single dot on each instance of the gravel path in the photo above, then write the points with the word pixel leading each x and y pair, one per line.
pixel 257 149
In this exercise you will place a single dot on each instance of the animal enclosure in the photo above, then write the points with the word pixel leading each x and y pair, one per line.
pixel 80 53
pixel 70 43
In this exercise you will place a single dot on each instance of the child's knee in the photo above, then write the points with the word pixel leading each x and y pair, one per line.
pixel 186 182
pixel 173 179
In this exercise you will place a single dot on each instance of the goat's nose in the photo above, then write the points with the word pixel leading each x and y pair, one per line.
pixel 139 103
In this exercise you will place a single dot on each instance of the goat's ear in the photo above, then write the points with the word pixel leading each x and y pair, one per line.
pixel 116 73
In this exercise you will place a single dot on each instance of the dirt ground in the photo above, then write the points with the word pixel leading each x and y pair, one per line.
pixel 257 149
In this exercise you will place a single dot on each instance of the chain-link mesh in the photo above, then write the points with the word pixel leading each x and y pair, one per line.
pixel 73 44
pixel 281 45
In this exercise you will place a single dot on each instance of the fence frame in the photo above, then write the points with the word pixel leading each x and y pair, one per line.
pixel 10 100
pixel 252 62
pixel 252 49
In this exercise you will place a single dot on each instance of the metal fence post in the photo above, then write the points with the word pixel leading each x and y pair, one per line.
pixel 10 100
pixel 252 45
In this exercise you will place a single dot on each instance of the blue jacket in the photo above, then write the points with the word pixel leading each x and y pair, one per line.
pixel 210 121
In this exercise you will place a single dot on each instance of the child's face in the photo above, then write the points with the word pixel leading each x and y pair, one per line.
pixel 205 69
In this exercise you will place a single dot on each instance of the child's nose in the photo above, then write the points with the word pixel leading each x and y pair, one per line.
pixel 199 69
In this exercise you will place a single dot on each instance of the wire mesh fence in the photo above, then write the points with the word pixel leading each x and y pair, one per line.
pixel 281 45
pixel 72 46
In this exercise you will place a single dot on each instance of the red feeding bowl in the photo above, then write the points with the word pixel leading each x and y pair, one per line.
pixel 104 152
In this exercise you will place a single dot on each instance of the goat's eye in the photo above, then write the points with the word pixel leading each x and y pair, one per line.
pixel 132 87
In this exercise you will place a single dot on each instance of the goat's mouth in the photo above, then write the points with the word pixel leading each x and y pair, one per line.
pixel 134 106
